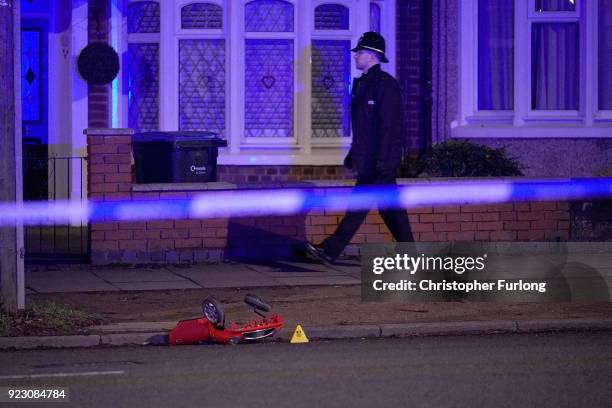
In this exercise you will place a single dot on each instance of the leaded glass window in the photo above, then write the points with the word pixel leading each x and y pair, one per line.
pixel 268 16
pixel 202 15
pixel 269 88
pixel 31 103
pixel 331 17
pixel 202 85
pixel 143 85
pixel 374 17
pixel 143 17
pixel 198 60
pixel 331 70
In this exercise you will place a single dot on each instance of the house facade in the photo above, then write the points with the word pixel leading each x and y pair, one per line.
pixel 272 77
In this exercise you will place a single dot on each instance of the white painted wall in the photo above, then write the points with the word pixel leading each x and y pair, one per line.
pixel 59 59
pixel 77 117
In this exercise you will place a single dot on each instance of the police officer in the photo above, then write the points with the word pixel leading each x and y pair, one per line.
pixel 376 150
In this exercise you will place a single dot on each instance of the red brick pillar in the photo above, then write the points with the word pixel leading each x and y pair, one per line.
pixel 98 25
pixel 413 58
pixel 109 178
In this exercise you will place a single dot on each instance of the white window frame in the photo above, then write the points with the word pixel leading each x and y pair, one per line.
pixel 600 116
pixel 268 142
pixel 522 121
pixel 351 35
pixel 301 149
pixel 171 35
pixel 124 39
pixel 524 37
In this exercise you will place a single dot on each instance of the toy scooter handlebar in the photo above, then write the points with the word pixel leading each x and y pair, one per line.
pixel 257 303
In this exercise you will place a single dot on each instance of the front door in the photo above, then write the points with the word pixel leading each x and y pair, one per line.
pixel 34 104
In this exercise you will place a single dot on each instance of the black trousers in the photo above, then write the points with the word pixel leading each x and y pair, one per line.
pixel 396 219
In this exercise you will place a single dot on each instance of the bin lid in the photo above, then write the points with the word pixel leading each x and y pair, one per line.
pixel 181 138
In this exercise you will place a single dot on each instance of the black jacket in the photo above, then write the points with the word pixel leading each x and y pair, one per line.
pixel 376 123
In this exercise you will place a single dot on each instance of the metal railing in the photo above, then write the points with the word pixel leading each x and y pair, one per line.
pixel 50 179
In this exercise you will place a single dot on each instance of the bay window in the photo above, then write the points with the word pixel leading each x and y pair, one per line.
pixel 272 77
pixel 535 68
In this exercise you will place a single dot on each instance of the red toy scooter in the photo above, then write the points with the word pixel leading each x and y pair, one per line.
pixel 213 327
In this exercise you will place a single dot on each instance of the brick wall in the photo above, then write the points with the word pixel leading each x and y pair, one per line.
pixel 194 240
pixel 264 174
pixel 97 31
pixel 109 172
pixel 412 60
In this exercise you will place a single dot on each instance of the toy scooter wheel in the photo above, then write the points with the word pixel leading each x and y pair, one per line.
pixel 212 310
pixel 257 303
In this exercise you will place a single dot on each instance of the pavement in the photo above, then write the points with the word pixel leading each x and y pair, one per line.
pixel 324 301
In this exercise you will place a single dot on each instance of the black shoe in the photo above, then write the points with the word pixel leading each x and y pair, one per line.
pixel 318 254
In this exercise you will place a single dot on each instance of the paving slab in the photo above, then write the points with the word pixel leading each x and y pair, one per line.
pixel 352 270
pixel 288 267
pixel 168 285
pixel 136 275
pixel 276 275
pixel 285 266
pixel 66 281
pixel 295 269
pixel 224 276
pixel 319 280
pixel 355 274
pixel 222 267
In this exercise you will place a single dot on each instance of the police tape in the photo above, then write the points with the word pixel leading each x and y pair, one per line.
pixel 279 202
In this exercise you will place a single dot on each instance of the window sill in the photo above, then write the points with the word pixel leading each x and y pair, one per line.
pixel 282 158
pixel 219 185
pixel 531 131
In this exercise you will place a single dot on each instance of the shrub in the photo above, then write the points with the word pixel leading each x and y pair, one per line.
pixel 458 158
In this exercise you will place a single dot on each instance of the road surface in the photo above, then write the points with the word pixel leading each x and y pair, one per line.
pixel 519 370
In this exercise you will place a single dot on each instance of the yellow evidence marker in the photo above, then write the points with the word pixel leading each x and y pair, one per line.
pixel 299 336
